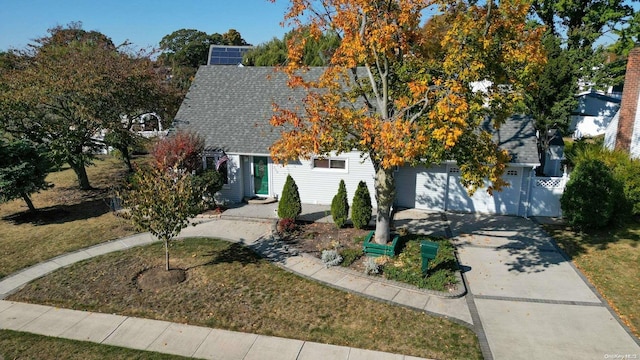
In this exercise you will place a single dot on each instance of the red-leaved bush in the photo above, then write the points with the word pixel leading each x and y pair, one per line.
pixel 182 150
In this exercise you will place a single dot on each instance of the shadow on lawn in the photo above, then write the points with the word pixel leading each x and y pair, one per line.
pixel 60 214
pixel 235 252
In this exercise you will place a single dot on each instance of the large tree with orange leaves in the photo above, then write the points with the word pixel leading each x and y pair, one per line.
pixel 389 95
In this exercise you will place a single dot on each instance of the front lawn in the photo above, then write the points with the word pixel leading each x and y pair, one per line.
pixel 67 218
pixel 17 345
pixel 229 287
pixel 610 259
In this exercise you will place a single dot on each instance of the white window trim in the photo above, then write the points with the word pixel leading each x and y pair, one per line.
pixel 330 169
pixel 224 186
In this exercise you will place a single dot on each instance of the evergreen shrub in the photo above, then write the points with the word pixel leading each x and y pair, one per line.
pixel 361 207
pixel 289 206
pixel 340 206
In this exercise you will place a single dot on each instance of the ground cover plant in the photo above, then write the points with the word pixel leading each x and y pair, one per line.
pixel 316 238
pixel 230 287
pixel 17 345
pixel 67 218
pixel 609 259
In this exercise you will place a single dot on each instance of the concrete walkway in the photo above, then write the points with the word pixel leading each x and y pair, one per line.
pixel 525 300
pixel 194 341
pixel 529 299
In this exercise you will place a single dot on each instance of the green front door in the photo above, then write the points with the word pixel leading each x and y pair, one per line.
pixel 260 175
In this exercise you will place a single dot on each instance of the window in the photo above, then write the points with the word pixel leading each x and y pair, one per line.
pixel 221 161
pixel 512 172
pixel 329 163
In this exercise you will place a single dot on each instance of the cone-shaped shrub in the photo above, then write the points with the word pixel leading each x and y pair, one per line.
pixel 361 207
pixel 340 206
pixel 289 206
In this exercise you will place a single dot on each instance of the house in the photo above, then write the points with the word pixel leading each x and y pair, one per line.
pixel 230 107
pixel 593 114
pixel 624 131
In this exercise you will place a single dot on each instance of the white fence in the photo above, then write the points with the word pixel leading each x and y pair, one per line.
pixel 545 196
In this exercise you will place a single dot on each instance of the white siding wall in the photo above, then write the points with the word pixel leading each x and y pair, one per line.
pixel 319 186
pixel 232 193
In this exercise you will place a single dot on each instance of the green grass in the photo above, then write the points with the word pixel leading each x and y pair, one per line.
pixel 67 219
pixel 16 345
pixel 230 287
pixel 610 259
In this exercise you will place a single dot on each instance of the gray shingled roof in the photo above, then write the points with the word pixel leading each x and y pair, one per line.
pixel 230 107
pixel 518 136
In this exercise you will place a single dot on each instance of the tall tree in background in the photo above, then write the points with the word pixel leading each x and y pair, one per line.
pixel 185 50
pixel 382 96
pixel 71 85
pixel 317 52
pixel 574 32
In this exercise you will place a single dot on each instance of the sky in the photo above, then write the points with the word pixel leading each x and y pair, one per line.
pixel 142 22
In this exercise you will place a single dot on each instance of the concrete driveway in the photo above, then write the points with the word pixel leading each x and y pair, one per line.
pixel 528 299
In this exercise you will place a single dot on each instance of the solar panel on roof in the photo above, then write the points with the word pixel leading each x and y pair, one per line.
pixel 226 55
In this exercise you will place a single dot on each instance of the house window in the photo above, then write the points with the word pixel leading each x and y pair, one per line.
pixel 512 172
pixel 454 170
pixel 330 163
pixel 221 162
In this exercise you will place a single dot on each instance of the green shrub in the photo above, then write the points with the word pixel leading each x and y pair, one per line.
pixel 407 267
pixel 591 195
pixel 361 210
pixel 625 170
pixel 340 206
pixel 349 256
pixel 208 183
pixel 289 206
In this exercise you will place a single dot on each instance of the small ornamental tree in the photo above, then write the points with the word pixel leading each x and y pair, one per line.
pixel 289 206
pixel 161 202
pixel 340 206
pixel 182 150
pixel 361 208
pixel 589 200
pixel 23 169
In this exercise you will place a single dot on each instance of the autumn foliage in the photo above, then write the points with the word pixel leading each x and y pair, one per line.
pixel 398 99
pixel 182 150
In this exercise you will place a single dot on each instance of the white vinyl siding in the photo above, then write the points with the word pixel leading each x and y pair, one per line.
pixel 319 185
pixel 232 193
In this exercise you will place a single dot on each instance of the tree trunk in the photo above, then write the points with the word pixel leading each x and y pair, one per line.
pixel 26 198
pixel 126 157
pixel 81 173
pixel 166 254
pixel 385 188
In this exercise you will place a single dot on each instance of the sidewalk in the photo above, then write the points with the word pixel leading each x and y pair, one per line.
pixel 254 231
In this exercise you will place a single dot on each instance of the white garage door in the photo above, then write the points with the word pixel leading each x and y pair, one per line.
pixel 430 188
pixel 502 202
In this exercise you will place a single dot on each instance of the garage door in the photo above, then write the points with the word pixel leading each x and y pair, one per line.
pixel 502 202
pixel 430 188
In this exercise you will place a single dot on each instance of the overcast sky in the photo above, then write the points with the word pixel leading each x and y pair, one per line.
pixel 142 22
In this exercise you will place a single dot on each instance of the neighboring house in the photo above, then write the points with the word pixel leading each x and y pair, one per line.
pixel 624 131
pixel 593 114
pixel 231 106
